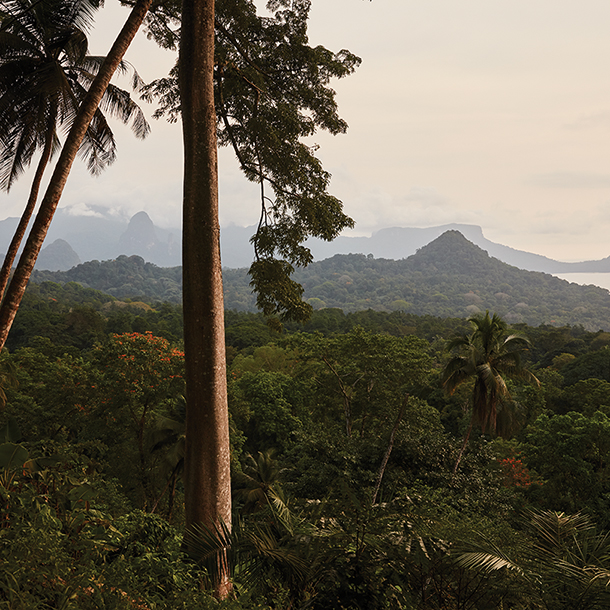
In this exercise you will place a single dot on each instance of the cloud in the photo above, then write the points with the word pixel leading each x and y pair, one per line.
pixel 82 209
pixel 424 206
pixel 419 207
pixel 569 180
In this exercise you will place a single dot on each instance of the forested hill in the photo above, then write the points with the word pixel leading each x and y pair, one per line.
pixel 125 276
pixel 453 277
pixel 450 277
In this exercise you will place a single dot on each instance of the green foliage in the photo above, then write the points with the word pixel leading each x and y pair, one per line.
pixel 396 553
pixel 257 485
pixel 276 293
pixel 352 283
pixel 100 433
pixel 125 276
pixel 271 400
pixel 592 364
pixel 59 549
pixel 562 564
pixel 75 318
pixel 247 330
pixel 272 91
pixel 448 278
pixel 551 384
pixel 51 394
pixel 108 399
pixel 368 375
pixel 588 396
pixel 51 537
pixel 571 454
pixel 486 357
pixel 138 378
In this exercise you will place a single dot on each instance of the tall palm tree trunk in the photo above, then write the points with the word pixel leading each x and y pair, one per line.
pixel 49 203
pixel 24 221
pixel 207 476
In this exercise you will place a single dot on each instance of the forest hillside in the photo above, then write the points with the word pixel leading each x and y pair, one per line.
pixel 450 277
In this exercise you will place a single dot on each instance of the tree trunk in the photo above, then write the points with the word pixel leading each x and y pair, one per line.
pixel 466 438
pixel 22 274
pixel 388 452
pixel 24 221
pixel 207 477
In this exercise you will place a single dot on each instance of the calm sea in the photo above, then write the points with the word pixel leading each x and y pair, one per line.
pixel 597 279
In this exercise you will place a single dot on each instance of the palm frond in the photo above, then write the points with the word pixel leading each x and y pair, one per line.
pixel 459 342
pixel 119 104
pixel 554 529
pixel 457 371
pixel 213 547
pixel 44 76
pixel 488 355
pixel 488 562
pixel 281 508
pixel 248 552
pixel 98 147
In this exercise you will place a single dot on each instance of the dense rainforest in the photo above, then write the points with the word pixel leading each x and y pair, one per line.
pixel 450 277
pixel 369 460
pixel 344 449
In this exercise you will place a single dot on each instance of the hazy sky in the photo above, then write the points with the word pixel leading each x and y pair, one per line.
pixel 495 113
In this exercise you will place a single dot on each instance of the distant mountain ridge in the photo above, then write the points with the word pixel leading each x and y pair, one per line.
pixel 401 242
pixel 104 238
pixel 449 277
pixel 101 238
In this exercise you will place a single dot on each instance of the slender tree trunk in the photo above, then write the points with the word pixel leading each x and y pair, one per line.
pixel 207 476
pixel 466 438
pixel 388 452
pixel 34 242
pixel 171 482
pixel 24 221
pixel 347 403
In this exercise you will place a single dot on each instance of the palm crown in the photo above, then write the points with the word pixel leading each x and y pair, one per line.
pixel 487 356
pixel 45 73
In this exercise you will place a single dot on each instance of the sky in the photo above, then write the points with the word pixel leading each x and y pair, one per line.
pixel 494 113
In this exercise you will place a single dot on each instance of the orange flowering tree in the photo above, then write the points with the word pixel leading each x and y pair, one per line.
pixel 139 377
pixel 516 473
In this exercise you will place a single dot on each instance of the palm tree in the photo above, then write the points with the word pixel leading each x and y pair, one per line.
pixel 266 542
pixel 257 485
pixel 563 563
pixel 488 355
pixel 45 73
pixel 169 436
pixel 87 111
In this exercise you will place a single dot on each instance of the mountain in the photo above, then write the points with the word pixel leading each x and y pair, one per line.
pixel 91 237
pixel 401 242
pixel 58 256
pixel 449 277
pixel 101 238
pixel 453 277
pixel 141 238
pixel 125 276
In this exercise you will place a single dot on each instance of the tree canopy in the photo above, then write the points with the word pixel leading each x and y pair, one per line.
pixel 271 92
